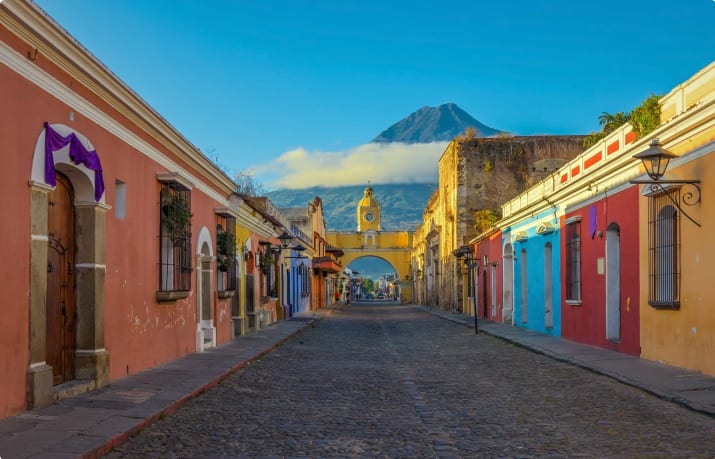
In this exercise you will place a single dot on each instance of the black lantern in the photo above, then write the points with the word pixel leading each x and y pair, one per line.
pixel 285 239
pixel 655 159
pixel 465 254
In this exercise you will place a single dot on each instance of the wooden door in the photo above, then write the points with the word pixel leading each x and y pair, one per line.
pixel 250 301
pixel 61 313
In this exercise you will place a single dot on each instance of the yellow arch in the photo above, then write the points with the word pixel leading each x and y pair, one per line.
pixel 392 246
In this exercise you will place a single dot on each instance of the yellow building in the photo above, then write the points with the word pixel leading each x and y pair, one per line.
pixel 368 212
pixel 394 247
pixel 677 257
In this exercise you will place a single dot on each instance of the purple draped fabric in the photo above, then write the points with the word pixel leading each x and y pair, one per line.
pixel 592 220
pixel 78 154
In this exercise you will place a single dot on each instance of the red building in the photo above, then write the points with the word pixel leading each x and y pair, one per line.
pixel 487 273
pixel 606 314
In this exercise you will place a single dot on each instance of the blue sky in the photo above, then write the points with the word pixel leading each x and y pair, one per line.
pixel 271 86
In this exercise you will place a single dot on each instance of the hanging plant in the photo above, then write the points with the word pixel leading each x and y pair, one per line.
pixel 176 218
pixel 225 249
pixel 266 260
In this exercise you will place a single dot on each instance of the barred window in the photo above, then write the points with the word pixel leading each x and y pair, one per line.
pixel 174 238
pixel 573 261
pixel 226 253
pixel 664 251
pixel 304 274
pixel 268 263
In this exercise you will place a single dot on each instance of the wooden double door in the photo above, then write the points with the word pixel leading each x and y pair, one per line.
pixel 61 311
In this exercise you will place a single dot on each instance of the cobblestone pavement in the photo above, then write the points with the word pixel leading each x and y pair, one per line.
pixel 392 381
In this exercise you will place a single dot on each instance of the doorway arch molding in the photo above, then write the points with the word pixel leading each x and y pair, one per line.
pixel 91 358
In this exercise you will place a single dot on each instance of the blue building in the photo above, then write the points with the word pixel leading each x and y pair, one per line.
pixel 535 278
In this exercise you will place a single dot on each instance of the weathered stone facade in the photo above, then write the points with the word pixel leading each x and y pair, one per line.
pixel 476 174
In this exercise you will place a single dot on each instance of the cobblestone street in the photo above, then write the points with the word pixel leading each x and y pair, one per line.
pixel 393 381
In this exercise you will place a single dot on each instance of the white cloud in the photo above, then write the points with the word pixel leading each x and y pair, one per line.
pixel 377 162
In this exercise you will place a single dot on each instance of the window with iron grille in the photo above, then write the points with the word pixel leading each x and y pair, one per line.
pixel 174 238
pixel 268 263
pixel 304 274
pixel 226 253
pixel 664 251
pixel 573 261
pixel 273 275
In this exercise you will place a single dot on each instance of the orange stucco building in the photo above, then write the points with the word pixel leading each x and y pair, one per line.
pixel 110 223
pixel 677 257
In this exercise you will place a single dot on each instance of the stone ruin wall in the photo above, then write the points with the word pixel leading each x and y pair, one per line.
pixel 494 170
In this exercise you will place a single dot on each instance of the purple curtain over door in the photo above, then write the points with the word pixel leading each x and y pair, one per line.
pixel 78 154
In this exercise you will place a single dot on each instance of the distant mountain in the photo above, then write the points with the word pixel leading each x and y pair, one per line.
pixel 434 124
pixel 401 204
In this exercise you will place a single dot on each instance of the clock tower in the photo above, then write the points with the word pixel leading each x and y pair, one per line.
pixel 368 212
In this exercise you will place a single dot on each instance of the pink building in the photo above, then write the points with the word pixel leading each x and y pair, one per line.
pixel 109 225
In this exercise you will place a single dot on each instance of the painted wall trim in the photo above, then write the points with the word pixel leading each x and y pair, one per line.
pixel 20 65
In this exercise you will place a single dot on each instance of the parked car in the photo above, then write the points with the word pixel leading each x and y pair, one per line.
pixel 381 296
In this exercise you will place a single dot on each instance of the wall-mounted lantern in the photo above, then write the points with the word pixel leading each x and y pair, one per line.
pixel 655 160
pixel 285 239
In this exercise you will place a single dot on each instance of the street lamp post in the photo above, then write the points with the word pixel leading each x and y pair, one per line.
pixel 465 253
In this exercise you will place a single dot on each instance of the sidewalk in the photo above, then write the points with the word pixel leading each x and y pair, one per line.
pixel 690 389
pixel 90 424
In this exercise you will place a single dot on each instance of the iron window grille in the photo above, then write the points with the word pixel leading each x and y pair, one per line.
pixel 573 262
pixel 664 251
pixel 304 274
pixel 174 238
pixel 268 264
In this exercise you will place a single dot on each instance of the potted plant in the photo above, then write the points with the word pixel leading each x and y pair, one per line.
pixel 176 218
pixel 225 249
pixel 266 260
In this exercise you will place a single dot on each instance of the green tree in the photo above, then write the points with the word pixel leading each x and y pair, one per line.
pixel 610 123
pixel 645 118
pixel 592 139
pixel 368 285
pixel 484 219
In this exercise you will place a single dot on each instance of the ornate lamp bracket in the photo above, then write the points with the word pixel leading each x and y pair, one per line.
pixel 689 197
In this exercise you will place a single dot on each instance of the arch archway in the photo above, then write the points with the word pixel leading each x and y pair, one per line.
pixel 88 269
pixel 381 272
pixel 613 282
pixel 205 327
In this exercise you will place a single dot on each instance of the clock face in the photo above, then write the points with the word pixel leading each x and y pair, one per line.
pixel 369 217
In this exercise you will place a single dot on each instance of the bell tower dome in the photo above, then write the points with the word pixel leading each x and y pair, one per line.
pixel 368 211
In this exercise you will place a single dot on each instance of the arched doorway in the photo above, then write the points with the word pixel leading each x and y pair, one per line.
pixel 613 282
pixel 205 328
pixel 548 287
pixel 67 267
pixel 524 284
pixel 60 303
pixel 508 273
